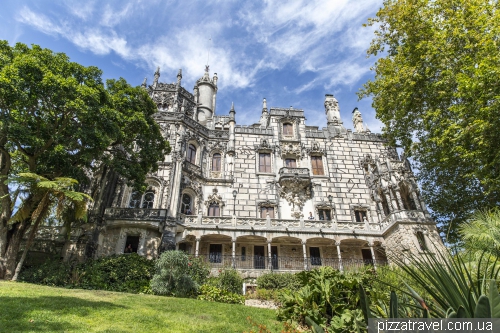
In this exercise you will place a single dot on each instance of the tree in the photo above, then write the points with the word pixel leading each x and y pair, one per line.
pixel 436 91
pixel 48 193
pixel 482 232
pixel 58 119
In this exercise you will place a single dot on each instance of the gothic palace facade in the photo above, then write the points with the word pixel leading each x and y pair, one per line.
pixel 276 195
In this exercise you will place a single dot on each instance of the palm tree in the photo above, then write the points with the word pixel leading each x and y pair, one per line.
pixel 49 194
pixel 482 232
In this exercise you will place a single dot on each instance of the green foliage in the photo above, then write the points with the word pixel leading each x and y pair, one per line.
pixel 126 272
pixel 328 297
pixel 482 232
pixel 228 280
pixel 276 281
pixel 436 91
pixel 52 272
pixel 214 294
pixel 178 274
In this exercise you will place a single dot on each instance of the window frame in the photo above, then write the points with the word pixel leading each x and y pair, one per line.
pixel 266 209
pixel 287 129
pixel 191 153
pixel 214 208
pixel 216 162
pixel 267 166
pixel 361 213
pixel 314 165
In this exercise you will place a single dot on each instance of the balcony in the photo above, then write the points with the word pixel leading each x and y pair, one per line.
pixel 138 214
pixel 277 263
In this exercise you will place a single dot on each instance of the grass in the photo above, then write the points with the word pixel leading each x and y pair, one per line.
pixel 28 307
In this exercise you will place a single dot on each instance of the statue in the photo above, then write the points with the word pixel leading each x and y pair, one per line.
pixel 357 120
pixel 332 110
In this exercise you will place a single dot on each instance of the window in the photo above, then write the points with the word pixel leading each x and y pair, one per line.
pixel 186 204
pixel 216 162
pixel 213 210
pixel 191 157
pixel 266 210
pixel 315 256
pixel 360 215
pixel 145 201
pixel 148 201
pixel 132 244
pixel 324 214
pixel 421 241
pixel 264 162
pixel 135 200
pixel 290 163
pixel 215 254
pixel 317 165
pixel 288 129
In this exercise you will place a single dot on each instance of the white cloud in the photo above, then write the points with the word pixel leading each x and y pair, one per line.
pixel 39 21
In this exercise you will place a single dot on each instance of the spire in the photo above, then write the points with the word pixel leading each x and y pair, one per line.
pixel 264 118
pixel 179 77
pixel 264 105
pixel 232 113
pixel 157 76
pixel 144 83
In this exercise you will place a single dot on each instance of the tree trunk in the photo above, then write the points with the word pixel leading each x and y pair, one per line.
pixel 14 238
pixel 31 237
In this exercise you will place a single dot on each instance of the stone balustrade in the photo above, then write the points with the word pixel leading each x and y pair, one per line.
pixel 136 214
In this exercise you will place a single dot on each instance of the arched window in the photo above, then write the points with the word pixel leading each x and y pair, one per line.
pixel 148 200
pixel 191 156
pixel 135 200
pixel 186 204
pixel 213 210
pixel 288 129
pixel 216 158
pixel 145 201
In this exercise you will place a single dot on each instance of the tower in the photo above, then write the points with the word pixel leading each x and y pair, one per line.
pixel 207 92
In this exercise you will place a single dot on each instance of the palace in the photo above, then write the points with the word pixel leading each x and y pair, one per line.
pixel 277 195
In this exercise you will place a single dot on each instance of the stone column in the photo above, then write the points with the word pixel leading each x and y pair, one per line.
pixel 341 267
pixel 142 244
pixel 387 196
pixel 370 244
pixel 417 201
pixel 234 252
pixel 399 199
pixel 197 247
pixel 304 251
pixel 393 201
pixel 269 255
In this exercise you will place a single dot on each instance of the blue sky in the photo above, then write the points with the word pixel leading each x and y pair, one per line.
pixel 291 52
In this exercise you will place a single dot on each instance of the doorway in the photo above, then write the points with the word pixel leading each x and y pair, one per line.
pixel 367 256
pixel 259 259
pixel 215 253
pixel 315 256
pixel 133 241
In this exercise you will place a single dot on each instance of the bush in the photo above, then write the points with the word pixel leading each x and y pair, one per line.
pixel 53 272
pixel 178 274
pixel 276 281
pixel 329 297
pixel 125 272
pixel 228 280
pixel 214 294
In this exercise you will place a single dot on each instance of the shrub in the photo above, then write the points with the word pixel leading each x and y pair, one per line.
pixel 276 281
pixel 53 272
pixel 329 297
pixel 228 280
pixel 178 274
pixel 126 272
pixel 214 294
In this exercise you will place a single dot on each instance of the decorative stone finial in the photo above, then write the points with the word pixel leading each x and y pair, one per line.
pixel 144 83
pixel 157 76
pixel 264 104
pixel 332 110
pixel 357 121
pixel 215 79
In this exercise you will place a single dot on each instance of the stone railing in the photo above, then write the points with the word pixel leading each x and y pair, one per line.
pixel 249 221
pixel 253 130
pixel 136 214
pixel 193 168
pixel 218 134
pixel 286 223
pixel 301 172
pixel 405 215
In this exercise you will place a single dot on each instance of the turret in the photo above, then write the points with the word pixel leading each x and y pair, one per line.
pixel 264 118
pixel 232 123
pixel 207 90
pixel 157 76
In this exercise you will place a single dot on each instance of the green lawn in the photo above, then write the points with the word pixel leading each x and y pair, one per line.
pixel 32 308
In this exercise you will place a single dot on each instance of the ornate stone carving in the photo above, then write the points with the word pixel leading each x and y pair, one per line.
pixel 357 121
pixel 295 188
pixel 291 149
pixel 315 149
pixel 332 110
pixel 214 198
